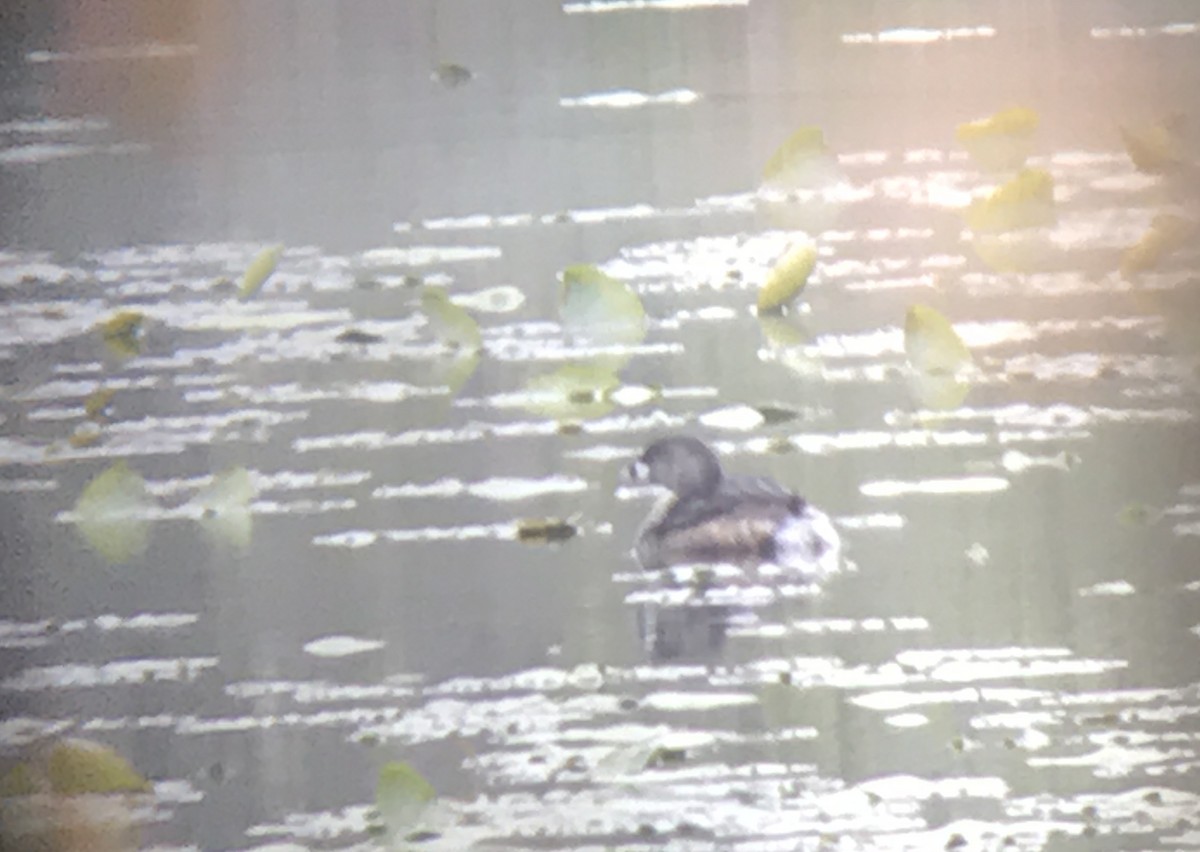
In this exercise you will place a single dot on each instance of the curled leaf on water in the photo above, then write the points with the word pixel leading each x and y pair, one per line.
pixel 96 405
pixel 545 530
pixel 1026 201
pixel 224 506
pixel 1167 233
pixel 1000 141
pixel 572 391
pixel 450 324
pixel 1157 148
pixel 931 343
pixel 122 333
pixel 111 513
pixel 402 798
pixel 260 269
pixel 787 278
pixel 802 161
pixel 599 307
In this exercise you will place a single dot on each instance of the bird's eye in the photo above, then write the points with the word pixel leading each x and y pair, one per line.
pixel 639 471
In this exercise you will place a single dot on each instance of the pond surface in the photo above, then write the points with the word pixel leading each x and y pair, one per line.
pixel 342 544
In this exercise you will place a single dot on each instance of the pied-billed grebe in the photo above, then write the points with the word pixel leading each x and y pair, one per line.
pixel 710 517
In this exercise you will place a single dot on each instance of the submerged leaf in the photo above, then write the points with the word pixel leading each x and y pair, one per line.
pixel 573 390
pixel 402 798
pixel 787 278
pixel 931 343
pixel 1026 201
pixel 122 333
pixel 1167 233
pixel 20 780
pixel 110 513
pixel 259 270
pixel 600 307
pixel 545 530
pixel 1001 141
pixel 452 325
pixel 1156 149
pixel 76 767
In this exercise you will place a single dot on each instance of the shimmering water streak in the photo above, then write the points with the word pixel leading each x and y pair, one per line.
pixel 601 6
pixel 955 485
pixel 919 36
pixel 627 99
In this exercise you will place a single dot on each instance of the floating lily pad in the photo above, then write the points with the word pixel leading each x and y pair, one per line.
pixel 1001 141
pixel 938 391
pixel 224 506
pixel 110 513
pixel 572 391
pixel 402 798
pixel 802 160
pixel 1158 148
pixel 1026 201
pixel 787 278
pixel 545 530
pixel 1167 233
pixel 931 343
pixel 122 333
pixel 1016 251
pixel 260 269
pixel 76 767
pixel 450 324
pixel 21 779
pixel 599 307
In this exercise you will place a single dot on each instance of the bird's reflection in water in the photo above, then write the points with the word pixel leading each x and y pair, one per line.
pixel 688 632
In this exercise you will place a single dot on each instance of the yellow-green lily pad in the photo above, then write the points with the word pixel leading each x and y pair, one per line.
pixel 602 308
pixel 122 333
pixel 1026 201
pixel 1156 149
pixel 76 767
pixel 787 278
pixel 931 343
pixel 110 513
pixel 402 798
pixel 1167 233
pixel 450 324
pixel 97 403
pixel 801 160
pixel 224 506
pixel 572 391
pixel 260 269
pixel 1001 141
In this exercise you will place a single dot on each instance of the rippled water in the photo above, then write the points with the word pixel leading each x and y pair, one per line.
pixel 433 567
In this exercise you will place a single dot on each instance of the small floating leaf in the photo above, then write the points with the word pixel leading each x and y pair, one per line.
pixel 573 390
pixel 259 270
pixel 802 157
pixel 122 333
pixel 931 343
pixel 1026 201
pixel 600 307
pixel 1167 233
pixel 1156 149
pixel 787 278
pixel 1001 141
pixel 402 797
pixel 452 325
pixel 96 404
pixel 86 435
pixel 110 513
pixel 224 506
pixel 545 530
pixel 355 337
pixel 76 767
pixel 938 391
